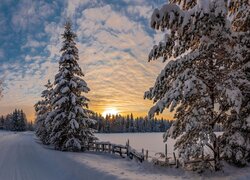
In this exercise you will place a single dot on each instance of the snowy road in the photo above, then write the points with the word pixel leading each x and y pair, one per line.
pixel 23 158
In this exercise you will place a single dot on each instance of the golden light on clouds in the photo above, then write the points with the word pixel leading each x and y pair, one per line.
pixel 113 52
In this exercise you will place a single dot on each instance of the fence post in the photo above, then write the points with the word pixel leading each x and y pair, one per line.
pixel 146 154
pixel 103 147
pixel 120 151
pixel 96 147
pixel 88 146
pixel 177 163
pixel 109 148
pixel 127 143
pixel 166 153
pixel 174 158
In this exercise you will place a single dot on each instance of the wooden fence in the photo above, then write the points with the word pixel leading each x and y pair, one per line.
pixel 164 160
pixel 122 150
pixel 127 150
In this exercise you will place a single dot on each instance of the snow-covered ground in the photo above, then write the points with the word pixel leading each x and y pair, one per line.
pixel 22 157
pixel 153 142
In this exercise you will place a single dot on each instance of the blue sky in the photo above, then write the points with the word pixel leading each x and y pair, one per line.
pixel 114 39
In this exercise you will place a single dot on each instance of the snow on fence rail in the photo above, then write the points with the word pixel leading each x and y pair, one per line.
pixel 122 150
pixel 127 150
pixel 164 160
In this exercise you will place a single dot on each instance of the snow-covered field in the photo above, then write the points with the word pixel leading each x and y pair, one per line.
pixel 153 142
pixel 22 157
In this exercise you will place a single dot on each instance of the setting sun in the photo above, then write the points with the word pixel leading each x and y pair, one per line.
pixel 110 111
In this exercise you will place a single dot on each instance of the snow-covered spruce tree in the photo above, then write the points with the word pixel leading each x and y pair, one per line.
pixel 43 108
pixel 18 121
pixel 199 46
pixel 14 121
pixel 22 121
pixel 7 122
pixel 2 119
pixel 69 116
pixel 235 141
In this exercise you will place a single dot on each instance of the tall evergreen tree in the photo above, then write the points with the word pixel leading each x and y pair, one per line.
pixel 197 79
pixel 43 108
pixel 7 122
pixel 2 122
pixel 22 121
pixel 14 121
pixel 235 141
pixel 17 121
pixel 70 116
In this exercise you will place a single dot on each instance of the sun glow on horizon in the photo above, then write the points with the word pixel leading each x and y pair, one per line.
pixel 110 111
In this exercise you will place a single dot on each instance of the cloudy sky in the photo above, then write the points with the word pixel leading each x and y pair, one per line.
pixel 114 39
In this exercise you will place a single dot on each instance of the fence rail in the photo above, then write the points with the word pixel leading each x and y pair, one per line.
pixel 122 150
pixel 127 150
pixel 165 160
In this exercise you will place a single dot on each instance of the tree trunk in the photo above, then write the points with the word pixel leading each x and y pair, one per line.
pixel 217 165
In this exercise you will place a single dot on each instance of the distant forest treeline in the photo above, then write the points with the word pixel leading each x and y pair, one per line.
pixel 15 121
pixel 121 124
